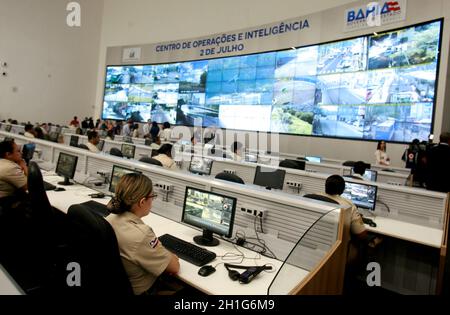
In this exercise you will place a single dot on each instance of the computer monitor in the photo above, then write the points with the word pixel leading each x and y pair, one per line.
pixel 362 195
pixel 8 128
pixel 53 136
pixel 127 139
pixel 67 164
pixel 128 150
pixel 117 173
pixel 28 151
pixel 100 145
pixel 8 139
pixel 212 212
pixel 369 175
pixel 74 141
pixel 252 158
pixel 315 159
pixel 200 165
pixel 295 164
pixel 148 142
pixel 269 177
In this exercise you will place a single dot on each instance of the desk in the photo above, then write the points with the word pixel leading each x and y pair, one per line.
pixel 218 283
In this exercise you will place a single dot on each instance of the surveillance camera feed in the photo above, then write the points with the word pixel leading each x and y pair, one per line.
pixel 200 165
pixel 363 196
pixel 128 150
pixel 209 211
pixel 379 87
pixel 117 174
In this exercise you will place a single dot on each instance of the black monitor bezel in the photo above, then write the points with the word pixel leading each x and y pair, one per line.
pixel 363 184
pixel 258 171
pixel 112 175
pixel 199 172
pixel 352 172
pixel 71 176
pixel 233 211
pixel 74 143
pixel 130 145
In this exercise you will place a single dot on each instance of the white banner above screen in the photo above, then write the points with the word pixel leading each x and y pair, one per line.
pixel 377 86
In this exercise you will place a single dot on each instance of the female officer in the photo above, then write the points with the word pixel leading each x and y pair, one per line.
pixel 143 256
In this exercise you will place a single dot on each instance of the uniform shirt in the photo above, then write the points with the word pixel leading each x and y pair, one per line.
pixel 357 224
pixel 166 134
pixel 146 129
pixel 28 134
pixel 126 131
pixel 143 256
pixel 166 161
pixel 236 157
pixel 92 147
pixel 11 178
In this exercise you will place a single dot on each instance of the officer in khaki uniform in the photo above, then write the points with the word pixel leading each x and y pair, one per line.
pixel 13 170
pixel 143 256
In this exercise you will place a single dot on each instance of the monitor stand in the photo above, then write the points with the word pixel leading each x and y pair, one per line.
pixel 66 182
pixel 206 239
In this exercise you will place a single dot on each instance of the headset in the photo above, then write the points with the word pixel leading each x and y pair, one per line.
pixel 248 275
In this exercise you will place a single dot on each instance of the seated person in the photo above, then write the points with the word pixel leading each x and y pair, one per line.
pixel 358 170
pixel 29 131
pixel 166 133
pixel 93 140
pixel 143 256
pixel 13 170
pixel 236 149
pixel 165 157
pixel 156 143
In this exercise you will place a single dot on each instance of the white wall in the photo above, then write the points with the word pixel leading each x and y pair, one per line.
pixel 52 68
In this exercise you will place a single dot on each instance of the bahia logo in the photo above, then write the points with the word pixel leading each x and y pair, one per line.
pixel 372 9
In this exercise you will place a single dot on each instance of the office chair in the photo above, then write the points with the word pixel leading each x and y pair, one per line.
pixel 230 177
pixel 295 164
pixel 116 152
pixel 349 163
pixel 149 160
pixel 320 197
pixel 83 146
pixel 93 245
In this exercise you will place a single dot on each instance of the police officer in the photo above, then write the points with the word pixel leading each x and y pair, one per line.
pixel 143 256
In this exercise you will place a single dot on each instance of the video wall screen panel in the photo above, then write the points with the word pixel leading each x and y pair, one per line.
pixel 374 87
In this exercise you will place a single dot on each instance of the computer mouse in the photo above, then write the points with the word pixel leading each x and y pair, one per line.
pixel 372 224
pixel 206 270
pixel 60 189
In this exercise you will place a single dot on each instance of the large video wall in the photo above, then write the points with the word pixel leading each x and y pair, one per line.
pixel 379 86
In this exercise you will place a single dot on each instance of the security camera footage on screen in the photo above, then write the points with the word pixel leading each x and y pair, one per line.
pixel 363 196
pixel 371 87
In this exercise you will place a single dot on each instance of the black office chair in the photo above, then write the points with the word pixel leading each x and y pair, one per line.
pixel 116 152
pixel 295 164
pixel 93 245
pixel 320 197
pixel 149 160
pixel 230 177
pixel 349 163
pixel 83 146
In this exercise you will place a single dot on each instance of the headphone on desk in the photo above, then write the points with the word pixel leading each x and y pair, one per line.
pixel 247 275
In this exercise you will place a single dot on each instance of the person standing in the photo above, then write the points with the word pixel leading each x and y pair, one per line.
pixel 438 165
pixel 381 156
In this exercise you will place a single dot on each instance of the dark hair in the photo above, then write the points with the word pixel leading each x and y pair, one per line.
pixel 39 133
pixel 236 146
pixel 130 189
pixel 6 147
pixel 359 167
pixel 92 135
pixel 166 149
pixel 166 125
pixel 444 137
pixel 379 145
pixel 335 185
pixel 28 127
pixel 154 124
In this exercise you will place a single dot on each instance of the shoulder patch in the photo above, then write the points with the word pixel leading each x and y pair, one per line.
pixel 154 243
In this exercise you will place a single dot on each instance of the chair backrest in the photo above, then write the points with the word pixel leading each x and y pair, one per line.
pixel 230 177
pixel 42 210
pixel 93 244
pixel 154 152
pixel 295 164
pixel 83 146
pixel 150 160
pixel 321 198
pixel 349 163
pixel 116 152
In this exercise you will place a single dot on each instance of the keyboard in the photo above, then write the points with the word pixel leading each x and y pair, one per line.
pixel 187 251
pixel 48 186
pixel 97 207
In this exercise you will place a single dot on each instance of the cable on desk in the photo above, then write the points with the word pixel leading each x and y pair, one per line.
pixel 263 243
pixel 384 204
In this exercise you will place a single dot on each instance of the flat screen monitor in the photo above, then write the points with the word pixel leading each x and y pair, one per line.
pixel 100 145
pixel 212 212
pixel 28 151
pixel 362 195
pixel 8 128
pixel 369 175
pixel 128 150
pixel 314 159
pixel 8 139
pixel 117 173
pixel 200 165
pixel 269 177
pixel 127 139
pixel 67 164
pixel 148 142
pixel 74 141
pixel 53 136
pixel 252 158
